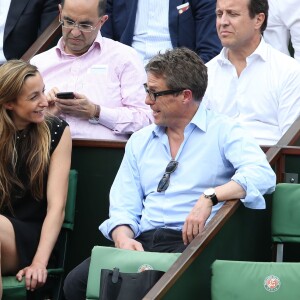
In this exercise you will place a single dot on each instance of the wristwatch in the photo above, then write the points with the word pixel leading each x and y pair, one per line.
pixel 211 194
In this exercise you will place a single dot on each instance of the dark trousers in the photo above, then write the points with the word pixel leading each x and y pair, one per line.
pixel 158 240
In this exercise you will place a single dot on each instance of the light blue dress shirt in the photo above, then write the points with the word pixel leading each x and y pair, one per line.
pixel 215 150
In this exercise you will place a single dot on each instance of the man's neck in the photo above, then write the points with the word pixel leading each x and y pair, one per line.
pixel 176 133
pixel 238 56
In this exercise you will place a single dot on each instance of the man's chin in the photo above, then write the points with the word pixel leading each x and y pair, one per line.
pixel 74 50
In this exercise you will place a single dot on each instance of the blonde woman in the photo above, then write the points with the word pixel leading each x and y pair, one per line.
pixel 35 156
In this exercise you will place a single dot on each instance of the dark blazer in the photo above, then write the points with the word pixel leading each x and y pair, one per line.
pixel 194 28
pixel 25 21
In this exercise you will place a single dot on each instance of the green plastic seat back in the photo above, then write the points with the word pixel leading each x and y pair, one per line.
pixel 127 261
pixel 71 199
pixel 12 289
pixel 240 280
pixel 286 213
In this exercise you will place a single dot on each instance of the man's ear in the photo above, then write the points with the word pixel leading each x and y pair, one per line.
pixel 187 96
pixel 260 18
pixel 103 20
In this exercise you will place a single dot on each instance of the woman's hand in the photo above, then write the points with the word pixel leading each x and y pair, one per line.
pixel 51 98
pixel 35 276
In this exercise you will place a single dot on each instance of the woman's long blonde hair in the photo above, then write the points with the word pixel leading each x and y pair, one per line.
pixel 35 147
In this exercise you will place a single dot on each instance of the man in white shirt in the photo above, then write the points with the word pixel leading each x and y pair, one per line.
pixel 284 26
pixel 249 80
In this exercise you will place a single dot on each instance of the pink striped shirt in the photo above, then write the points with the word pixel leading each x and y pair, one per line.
pixel 109 74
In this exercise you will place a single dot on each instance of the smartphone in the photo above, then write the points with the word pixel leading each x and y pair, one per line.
pixel 65 95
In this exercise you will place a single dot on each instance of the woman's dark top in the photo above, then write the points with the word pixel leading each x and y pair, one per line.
pixel 27 213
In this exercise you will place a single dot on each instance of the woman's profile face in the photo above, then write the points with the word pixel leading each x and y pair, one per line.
pixel 30 105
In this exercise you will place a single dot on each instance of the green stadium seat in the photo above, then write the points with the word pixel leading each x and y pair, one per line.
pixel 285 225
pixel 14 290
pixel 240 280
pixel 127 261
pixel 245 280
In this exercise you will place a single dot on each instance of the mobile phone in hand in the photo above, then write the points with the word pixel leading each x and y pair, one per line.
pixel 65 95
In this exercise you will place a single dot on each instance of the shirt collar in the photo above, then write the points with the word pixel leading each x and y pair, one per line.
pixel 97 44
pixel 259 52
pixel 199 120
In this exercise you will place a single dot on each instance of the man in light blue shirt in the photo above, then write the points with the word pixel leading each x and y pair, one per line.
pixel 210 149
pixel 177 173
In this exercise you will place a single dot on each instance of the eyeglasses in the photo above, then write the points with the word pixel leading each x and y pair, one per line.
pixel 154 95
pixel 67 23
pixel 165 181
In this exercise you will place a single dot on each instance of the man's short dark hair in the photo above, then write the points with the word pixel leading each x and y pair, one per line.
pixel 101 7
pixel 181 68
pixel 259 6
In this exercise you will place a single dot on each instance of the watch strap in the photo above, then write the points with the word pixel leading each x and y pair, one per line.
pixel 210 193
pixel 214 199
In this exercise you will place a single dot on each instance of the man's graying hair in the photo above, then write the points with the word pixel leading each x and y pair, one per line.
pixel 181 68
pixel 101 7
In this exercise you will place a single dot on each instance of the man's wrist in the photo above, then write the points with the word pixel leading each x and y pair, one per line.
pixel 97 111
pixel 210 193
pixel 96 114
pixel 122 230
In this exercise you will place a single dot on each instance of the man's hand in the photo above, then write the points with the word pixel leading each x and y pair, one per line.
pixel 123 238
pixel 196 219
pixel 80 107
pixel 35 276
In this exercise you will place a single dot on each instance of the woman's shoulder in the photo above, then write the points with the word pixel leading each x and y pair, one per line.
pixel 56 126
pixel 56 123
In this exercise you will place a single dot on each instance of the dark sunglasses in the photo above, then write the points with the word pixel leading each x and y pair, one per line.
pixel 165 181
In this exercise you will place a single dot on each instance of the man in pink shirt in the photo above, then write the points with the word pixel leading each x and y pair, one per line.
pixel 105 76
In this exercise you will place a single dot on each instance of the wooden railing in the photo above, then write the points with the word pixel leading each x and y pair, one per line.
pixel 197 246
pixel 98 143
pixel 52 32
pixel 292 136
pixel 194 249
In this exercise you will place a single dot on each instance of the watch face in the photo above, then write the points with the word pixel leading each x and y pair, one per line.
pixel 209 192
